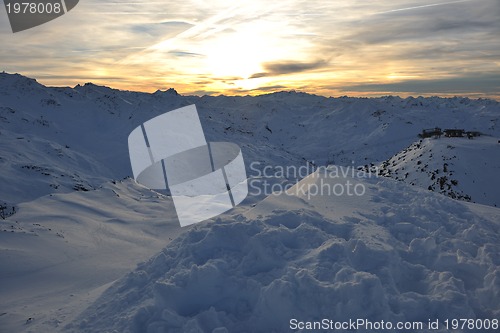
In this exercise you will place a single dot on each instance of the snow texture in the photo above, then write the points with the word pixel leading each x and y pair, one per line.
pixel 401 254
pixel 457 167
pixel 74 225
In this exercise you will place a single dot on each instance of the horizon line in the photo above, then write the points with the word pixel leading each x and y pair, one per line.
pixel 260 92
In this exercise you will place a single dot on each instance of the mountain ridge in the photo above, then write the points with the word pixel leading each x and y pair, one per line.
pixel 93 122
pixel 81 222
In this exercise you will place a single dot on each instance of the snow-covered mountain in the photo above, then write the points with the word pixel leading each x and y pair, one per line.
pixel 60 139
pixel 395 252
pixel 460 168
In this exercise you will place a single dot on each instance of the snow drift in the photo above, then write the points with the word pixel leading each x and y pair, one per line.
pixel 396 254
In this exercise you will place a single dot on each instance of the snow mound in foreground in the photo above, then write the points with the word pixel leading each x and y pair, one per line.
pixel 397 253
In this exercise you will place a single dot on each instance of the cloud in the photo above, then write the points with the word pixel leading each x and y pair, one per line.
pixel 488 83
pixel 269 88
pixel 179 53
pixel 423 6
pixel 258 90
pixel 259 75
pixel 288 67
pixel 448 21
pixel 215 45
pixel 159 29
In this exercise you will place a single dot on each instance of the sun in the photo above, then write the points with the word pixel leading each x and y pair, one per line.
pixel 235 54
pixel 241 53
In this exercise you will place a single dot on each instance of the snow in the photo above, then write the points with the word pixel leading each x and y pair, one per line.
pixel 398 253
pixel 58 251
pixel 90 250
pixel 88 126
pixel 458 167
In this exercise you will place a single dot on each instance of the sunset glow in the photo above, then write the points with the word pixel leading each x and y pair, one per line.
pixel 253 47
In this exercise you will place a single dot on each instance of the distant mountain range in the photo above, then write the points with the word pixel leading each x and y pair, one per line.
pixel 85 248
pixel 62 139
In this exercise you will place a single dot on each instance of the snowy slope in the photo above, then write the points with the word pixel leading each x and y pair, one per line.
pixel 54 139
pixel 59 250
pixel 457 167
pixel 77 227
pixel 396 253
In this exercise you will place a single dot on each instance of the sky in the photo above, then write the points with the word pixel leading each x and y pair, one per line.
pixel 325 47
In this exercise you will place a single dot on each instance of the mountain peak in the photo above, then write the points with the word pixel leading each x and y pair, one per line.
pixel 17 79
pixel 169 91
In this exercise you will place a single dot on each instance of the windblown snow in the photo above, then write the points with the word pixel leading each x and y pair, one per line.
pixel 397 254
pixel 84 248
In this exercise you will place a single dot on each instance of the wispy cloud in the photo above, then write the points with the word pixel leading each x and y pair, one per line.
pixel 472 83
pixel 289 67
pixel 423 6
pixel 255 46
